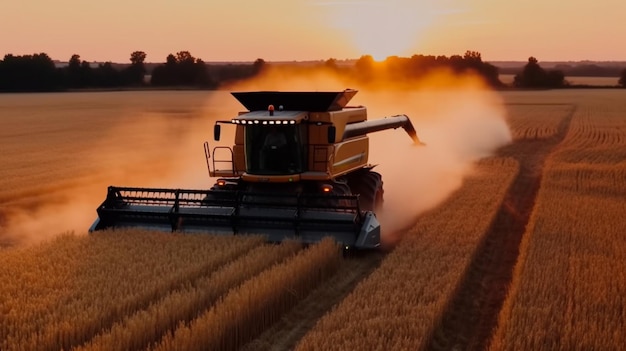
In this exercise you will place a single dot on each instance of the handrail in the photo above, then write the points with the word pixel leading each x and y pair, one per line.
pixel 207 156
pixel 231 161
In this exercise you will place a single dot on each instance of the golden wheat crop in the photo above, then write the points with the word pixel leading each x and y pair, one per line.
pixel 62 293
pixel 398 306
pixel 246 311
pixel 530 121
pixel 569 286
pixel 146 326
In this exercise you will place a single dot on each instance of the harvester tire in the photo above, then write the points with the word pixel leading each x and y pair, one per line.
pixel 370 189
pixel 342 188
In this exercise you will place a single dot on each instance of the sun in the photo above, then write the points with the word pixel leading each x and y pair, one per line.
pixel 383 28
pixel 380 50
pixel 378 57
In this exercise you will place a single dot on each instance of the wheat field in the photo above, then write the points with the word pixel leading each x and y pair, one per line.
pixel 398 306
pixel 569 287
pixel 528 254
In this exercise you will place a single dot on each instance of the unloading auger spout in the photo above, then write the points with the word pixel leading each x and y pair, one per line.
pixel 362 128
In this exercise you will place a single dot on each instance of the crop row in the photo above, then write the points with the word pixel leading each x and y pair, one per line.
pixel 259 302
pixel 62 293
pixel 134 289
pixel 536 121
pixel 401 303
pixel 596 136
pixel 138 330
pixel 570 279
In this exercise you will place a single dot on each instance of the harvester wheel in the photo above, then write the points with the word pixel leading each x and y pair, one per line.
pixel 370 188
pixel 342 188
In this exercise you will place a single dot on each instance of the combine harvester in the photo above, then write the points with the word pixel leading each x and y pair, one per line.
pixel 298 169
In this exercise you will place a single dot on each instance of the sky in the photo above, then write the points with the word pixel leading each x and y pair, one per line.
pixel 301 30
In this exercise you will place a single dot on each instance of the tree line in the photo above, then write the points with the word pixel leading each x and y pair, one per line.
pixel 38 72
pixel 581 69
pixel 417 67
pixel 534 76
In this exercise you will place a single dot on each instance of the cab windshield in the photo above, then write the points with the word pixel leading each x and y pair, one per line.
pixel 275 149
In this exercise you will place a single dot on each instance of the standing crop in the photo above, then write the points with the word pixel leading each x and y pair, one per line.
pixel 569 287
pixel 246 311
pixel 62 293
pixel 399 305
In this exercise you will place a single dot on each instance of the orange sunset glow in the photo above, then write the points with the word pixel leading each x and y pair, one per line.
pixel 286 30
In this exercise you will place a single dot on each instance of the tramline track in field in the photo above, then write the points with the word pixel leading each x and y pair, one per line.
pixel 285 334
pixel 472 314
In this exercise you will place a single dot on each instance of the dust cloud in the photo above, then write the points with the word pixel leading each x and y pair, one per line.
pixel 458 127
pixel 155 144
pixel 457 117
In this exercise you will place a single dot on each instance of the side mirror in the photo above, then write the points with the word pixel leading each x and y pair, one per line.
pixel 332 134
pixel 216 132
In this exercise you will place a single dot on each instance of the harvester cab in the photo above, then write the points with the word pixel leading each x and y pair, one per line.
pixel 298 168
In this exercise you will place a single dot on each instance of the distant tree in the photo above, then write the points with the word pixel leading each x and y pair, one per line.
pixel 74 72
pixel 258 65
pixel 202 78
pixel 473 57
pixel 106 76
pixel 170 60
pixel 419 65
pixel 137 57
pixel 365 68
pixel 165 75
pixel 186 69
pixel 45 73
pixel 182 70
pixel 331 64
pixel 622 79
pixel 74 62
pixel 473 60
pixel 86 74
pixel 534 76
pixel 28 73
pixel 183 57
pixel 135 73
pixel 457 62
pixel 395 68
pixel 78 74
pixel 365 63
pixel 531 76
pixel 555 79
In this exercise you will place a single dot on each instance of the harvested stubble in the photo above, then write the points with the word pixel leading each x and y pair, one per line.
pixel 139 330
pixel 61 293
pixel 570 279
pixel 398 306
pixel 249 309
